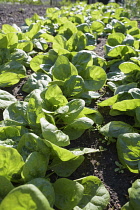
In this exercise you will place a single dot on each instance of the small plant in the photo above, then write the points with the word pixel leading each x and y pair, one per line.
pixel 119 168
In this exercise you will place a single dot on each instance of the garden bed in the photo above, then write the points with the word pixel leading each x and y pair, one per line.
pixel 101 164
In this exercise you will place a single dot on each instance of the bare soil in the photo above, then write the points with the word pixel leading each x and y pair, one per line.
pixel 101 164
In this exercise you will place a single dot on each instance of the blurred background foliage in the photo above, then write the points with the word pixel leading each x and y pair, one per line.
pixel 133 6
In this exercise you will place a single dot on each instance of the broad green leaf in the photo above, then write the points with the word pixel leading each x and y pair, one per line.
pixel 84 27
pixel 12 40
pixel 5 187
pixel 126 105
pixel 97 26
pixel 30 196
pixel 68 193
pixel 11 163
pixel 95 194
pixel 67 29
pixel 36 81
pixel 54 98
pixel 74 86
pixel 125 88
pixel 115 39
pixel 134 192
pixel 135 92
pixel 119 27
pixel 6 99
pixel 77 42
pixel 34 110
pixel 122 51
pixel 66 168
pixel 3 41
pixel 127 67
pixel 59 44
pixel 21 57
pixel 13 67
pixel 59 152
pixel 29 143
pixel 73 133
pixel 12 132
pixel 115 128
pixel 33 29
pixel 74 107
pixel 126 207
pixel 6 28
pixel 43 62
pixel 128 146
pixel 8 79
pixel 82 60
pixel 95 77
pixel 53 134
pixel 75 129
pixel 63 69
pixel 35 166
pixel 16 112
pixel 93 114
pixel 45 187
pixel 25 45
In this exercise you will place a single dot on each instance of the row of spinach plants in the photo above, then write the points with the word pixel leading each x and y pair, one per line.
pixel 66 77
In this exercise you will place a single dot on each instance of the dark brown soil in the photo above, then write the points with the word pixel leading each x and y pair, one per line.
pixel 101 164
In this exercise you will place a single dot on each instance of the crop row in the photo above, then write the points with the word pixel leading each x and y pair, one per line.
pixel 66 76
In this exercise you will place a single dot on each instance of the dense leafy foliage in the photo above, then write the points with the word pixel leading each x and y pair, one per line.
pixel 66 77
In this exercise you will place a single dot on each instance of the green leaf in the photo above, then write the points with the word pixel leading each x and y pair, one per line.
pixel 68 193
pixel 11 163
pixel 59 45
pixel 34 111
pixel 77 42
pixel 13 67
pixel 36 81
pixel 122 51
pixel 5 187
pixel 16 112
pixel 63 69
pixel 29 143
pixel 126 105
pixel 115 39
pixel 67 29
pixel 66 168
pixel 30 196
pixel 127 67
pixel 53 134
pixel 43 62
pixel 12 40
pixel 82 60
pixel 95 194
pixel 45 187
pixel 128 146
pixel 33 170
pixel 135 92
pixel 33 29
pixel 95 77
pixel 54 98
pixel 6 99
pixel 8 79
pixel 74 86
pixel 6 28
pixel 134 192
pixel 73 109
pixel 12 132
pixel 97 26
pixel 115 128
pixel 25 45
